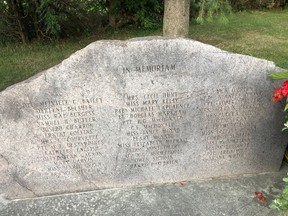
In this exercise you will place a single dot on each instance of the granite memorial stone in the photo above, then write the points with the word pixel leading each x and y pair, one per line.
pixel 138 112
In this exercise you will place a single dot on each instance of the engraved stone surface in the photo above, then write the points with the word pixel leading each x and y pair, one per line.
pixel 138 112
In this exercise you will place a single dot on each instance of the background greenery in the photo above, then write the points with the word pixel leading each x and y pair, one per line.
pixel 256 28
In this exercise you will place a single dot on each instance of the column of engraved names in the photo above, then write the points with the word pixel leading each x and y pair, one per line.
pixel 228 123
pixel 153 125
pixel 69 137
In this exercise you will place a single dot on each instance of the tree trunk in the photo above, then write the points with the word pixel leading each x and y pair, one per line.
pixel 112 16
pixel 176 18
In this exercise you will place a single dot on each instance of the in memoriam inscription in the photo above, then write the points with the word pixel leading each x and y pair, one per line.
pixel 124 113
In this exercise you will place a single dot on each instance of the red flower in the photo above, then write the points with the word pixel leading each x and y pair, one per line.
pixel 285 89
pixel 278 95
pixel 260 196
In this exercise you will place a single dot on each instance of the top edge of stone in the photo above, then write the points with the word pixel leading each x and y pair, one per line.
pixel 161 38
pixel 120 43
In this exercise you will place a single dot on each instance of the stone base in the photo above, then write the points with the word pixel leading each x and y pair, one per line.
pixel 214 197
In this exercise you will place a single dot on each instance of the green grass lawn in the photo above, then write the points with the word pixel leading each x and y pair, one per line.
pixel 261 34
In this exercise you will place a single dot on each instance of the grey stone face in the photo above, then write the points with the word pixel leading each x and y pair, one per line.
pixel 138 112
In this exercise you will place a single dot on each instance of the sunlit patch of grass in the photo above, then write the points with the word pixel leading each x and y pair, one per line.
pixel 261 34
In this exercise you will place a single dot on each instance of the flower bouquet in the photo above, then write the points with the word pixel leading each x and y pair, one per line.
pixel 281 93
pixel 281 202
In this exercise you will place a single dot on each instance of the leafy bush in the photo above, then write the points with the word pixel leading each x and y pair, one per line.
pixel 143 13
pixel 26 20
pixel 281 203
pixel 240 5
pixel 207 10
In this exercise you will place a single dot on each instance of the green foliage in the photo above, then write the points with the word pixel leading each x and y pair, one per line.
pixel 51 16
pixel 211 9
pixel 279 75
pixel 69 18
pixel 144 13
pixel 7 25
pixel 281 203
pixel 27 20
pixel 241 5
pixel 96 6
pixel 286 118
pixel 6 28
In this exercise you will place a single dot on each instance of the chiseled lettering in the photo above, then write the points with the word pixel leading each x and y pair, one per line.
pixel 155 68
